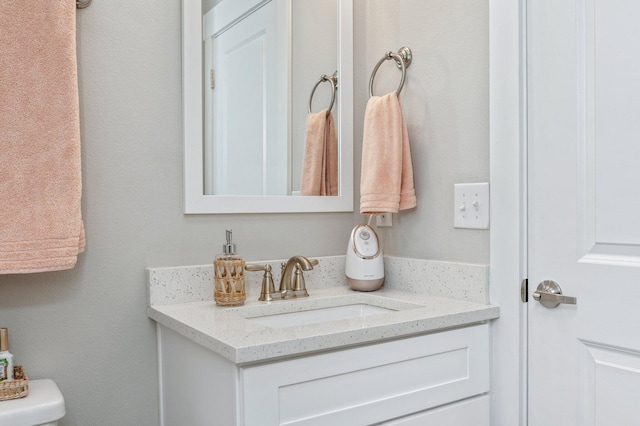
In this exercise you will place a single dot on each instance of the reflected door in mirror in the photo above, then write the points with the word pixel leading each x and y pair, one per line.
pixel 245 117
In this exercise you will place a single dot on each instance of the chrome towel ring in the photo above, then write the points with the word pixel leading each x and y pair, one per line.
pixel 403 60
pixel 333 80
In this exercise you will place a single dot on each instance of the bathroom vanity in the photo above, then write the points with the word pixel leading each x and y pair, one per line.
pixel 338 357
pixel 393 383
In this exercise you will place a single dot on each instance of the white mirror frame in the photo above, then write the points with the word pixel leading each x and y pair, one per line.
pixel 195 200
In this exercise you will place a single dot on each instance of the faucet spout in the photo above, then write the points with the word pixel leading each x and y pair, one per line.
pixel 304 263
pixel 296 264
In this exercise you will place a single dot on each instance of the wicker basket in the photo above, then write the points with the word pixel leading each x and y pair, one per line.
pixel 16 388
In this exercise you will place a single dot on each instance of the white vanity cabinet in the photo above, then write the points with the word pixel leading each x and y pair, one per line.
pixel 438 378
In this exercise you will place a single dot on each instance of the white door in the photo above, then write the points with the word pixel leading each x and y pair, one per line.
pixel 584 211
pixel 246 116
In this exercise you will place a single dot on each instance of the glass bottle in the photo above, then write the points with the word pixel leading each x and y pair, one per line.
pixel 228 270
pixel 6 358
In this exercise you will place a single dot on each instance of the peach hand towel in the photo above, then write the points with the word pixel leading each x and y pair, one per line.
pixel 386 181
pixel 320 163
pixel 40 183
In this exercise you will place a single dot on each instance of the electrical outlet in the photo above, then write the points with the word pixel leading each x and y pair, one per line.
pixel 471 205
pixel 383 220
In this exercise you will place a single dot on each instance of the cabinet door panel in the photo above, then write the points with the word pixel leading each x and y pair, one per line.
pixel 369 384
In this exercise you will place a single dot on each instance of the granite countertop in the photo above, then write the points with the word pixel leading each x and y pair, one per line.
pixel 227 331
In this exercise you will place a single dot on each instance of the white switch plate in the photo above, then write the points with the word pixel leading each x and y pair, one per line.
pixel 383 220
pixel 471 205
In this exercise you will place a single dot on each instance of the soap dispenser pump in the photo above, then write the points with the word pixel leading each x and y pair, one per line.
pixel 228 269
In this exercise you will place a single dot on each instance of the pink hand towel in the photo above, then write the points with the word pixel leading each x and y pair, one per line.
pixel 320 163
pixel 386 182
pixel 40 184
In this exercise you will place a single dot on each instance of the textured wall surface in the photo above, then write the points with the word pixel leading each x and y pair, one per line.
pixel 445 102
pixel 87 328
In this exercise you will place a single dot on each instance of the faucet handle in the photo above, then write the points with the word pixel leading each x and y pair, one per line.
pixel 255 267
pixel 268 292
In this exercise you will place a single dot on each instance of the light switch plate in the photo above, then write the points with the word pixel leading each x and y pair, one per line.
pixel 471 205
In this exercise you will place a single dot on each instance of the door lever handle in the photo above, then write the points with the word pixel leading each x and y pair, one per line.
pixel 553 298
pixel 549 294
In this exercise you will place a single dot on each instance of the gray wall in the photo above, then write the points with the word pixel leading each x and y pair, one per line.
pixel 446 106
pixel 86 328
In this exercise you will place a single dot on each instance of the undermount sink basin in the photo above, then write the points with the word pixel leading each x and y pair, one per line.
pixel 315 316
pixel 300 312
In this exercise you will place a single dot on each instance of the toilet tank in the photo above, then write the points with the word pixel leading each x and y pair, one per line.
pixel 43 406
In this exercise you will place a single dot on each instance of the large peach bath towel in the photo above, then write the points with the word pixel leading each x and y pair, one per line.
pixel 320 163
pixel 40 180
pixel 386 180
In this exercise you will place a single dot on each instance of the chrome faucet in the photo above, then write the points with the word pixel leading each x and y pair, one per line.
pixel 292 279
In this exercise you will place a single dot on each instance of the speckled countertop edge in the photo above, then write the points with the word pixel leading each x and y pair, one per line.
pixel 227 333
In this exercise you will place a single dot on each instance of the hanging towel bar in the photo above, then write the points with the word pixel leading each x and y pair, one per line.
pixel 333 80
pixel 81 4
pixel 403 60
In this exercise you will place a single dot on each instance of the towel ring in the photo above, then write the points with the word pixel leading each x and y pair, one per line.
pixel 81 4
pixel 333 80
pixel 403 60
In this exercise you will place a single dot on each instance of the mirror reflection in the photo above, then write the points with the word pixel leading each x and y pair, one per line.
pixel 203 158
pixel 262 59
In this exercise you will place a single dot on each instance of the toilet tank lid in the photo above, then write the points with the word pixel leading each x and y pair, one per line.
pixel 43 404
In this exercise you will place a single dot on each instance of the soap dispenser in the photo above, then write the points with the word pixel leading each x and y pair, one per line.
pixel 6 358
pixel 228 269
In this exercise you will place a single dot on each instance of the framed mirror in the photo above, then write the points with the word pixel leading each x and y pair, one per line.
pixel 233 161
